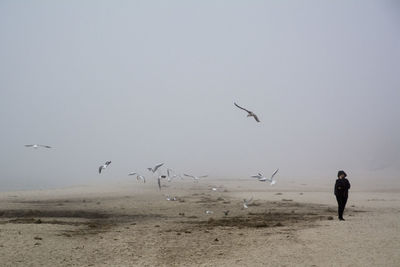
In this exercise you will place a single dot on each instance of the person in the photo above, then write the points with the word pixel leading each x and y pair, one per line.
pixel 342 187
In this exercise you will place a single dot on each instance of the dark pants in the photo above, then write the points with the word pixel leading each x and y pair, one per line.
pixel 341 200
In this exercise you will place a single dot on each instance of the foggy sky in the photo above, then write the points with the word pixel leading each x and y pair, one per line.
pixel 143 82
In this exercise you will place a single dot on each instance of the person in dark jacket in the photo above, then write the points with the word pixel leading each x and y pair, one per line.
pixel 342 187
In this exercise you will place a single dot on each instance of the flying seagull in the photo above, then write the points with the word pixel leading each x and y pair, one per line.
pixel 249 113
pixel 138 176
pixel 246 202
pixel 155 168
pixel 103 167
pixel 36 146
pixel 141 177
pixel 159 182
pixel 172 174
pixel 196 178
pixel 262 178
pixel 226 212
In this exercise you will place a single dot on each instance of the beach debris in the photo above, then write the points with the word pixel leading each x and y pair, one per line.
pixel 209 212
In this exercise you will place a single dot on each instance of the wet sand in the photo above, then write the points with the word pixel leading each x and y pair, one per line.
pixel 132 224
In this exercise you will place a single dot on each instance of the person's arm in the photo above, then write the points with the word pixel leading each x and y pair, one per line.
pixel 335 189
pixel 348 184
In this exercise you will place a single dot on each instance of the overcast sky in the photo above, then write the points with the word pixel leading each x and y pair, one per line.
pixel 143 82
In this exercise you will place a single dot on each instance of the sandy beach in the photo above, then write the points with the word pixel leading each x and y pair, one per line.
pixel 133 224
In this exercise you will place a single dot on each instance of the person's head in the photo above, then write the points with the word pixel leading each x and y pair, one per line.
pixel 341 174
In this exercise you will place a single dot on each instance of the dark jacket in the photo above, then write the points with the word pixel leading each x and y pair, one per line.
pixel 342 187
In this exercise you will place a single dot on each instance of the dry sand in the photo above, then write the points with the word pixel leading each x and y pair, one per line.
pixel 132 224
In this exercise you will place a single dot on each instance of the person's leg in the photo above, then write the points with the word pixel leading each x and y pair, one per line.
pixel 340 210
pixel 344 201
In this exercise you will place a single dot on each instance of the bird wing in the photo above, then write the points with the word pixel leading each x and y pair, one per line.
pixel 242 108
pixel 159 183
pixel 187 175
pixel 203 176
pixel 274 173
pixel 256 176
pixel 256 118
pixel 108 163
pixel 45 146
pixel 132 173
pixel 100 168
pixel 29 145
pixel 247 201
pixel 158 166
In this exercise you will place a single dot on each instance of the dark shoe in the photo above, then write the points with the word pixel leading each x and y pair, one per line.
pixel 341 219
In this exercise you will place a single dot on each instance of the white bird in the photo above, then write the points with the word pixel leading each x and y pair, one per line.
pixel 249 113
pixel 246 202
pixel 155 168
pixel 262 178
pixel 103 167
pixel 138 176
pixel 171 198
pixel 159 182
pixel 141 177
pixel 196 178
pixel 36 146
pixel 172 174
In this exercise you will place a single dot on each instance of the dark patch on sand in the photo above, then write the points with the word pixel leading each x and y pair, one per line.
pixel 86 222
pixel 278 216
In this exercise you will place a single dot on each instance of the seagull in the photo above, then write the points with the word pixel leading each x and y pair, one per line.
pixel 196 178
pixel 226 212
pixel 138 176
pixel 159 182
pixel 249 113
pixel 171 198
pixel 36 146
pixel 262 178
pixel 103 167
pixel 141 177
pixel 246 202
pixel 172 174
pixel 155 168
